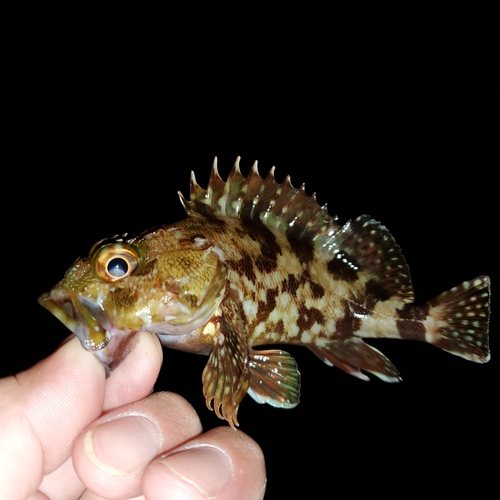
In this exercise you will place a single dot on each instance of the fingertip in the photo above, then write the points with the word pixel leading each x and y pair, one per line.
pixel 111 456
pixel 248 461
pixel 222 463
pixel 199 472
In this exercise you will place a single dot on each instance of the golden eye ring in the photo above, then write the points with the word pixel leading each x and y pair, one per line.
pixel 115 262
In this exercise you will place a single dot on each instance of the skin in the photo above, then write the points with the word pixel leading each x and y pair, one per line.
pixel 67 432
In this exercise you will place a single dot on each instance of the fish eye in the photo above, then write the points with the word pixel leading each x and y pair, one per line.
pixel 115 262
pixel 118 267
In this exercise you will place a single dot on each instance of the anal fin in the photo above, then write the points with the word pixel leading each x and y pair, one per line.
pixel 353 355
pixel 274 378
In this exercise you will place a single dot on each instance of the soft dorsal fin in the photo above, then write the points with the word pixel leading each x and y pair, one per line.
pixel 362 245
pixel 366 245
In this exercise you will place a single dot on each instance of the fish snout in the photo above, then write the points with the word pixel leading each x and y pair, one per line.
pixel 79 316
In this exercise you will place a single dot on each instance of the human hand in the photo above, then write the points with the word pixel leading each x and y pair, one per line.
pixel 67 432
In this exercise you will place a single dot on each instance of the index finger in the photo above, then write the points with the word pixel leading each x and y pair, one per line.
pixel 44 409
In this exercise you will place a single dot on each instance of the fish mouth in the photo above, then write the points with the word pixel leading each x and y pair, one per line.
pixel 91 324
pixel 86 319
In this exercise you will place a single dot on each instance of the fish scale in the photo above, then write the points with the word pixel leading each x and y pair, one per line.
pixel 259 263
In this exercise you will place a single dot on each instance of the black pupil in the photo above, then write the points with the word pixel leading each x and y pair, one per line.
pixel 118 267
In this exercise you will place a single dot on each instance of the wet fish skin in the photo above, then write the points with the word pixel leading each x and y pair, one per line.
pixel 260 263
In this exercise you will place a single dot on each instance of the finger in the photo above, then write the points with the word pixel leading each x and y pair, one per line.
pixel 135 377
pixel 223 464
pixel 132 380
pixel 45 408
pixel 111 456
pixel 63 483
pixel 42 410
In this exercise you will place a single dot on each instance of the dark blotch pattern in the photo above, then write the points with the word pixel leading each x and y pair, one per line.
pixel 348 324
pixel 241 231
pixel 267 261
pixel 271 295
pixel 375 292
pixel 243 266
pixel 290 284
pixel 302 249
pixel 264 308
pixel 279 327
pixel 215 221
pixel 341 271
pixel 316 289
pixel 309 316
pixel 410 324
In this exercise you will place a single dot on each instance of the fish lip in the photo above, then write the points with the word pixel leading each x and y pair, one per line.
pixel 79 316
pixel 109 344
pixel 62 314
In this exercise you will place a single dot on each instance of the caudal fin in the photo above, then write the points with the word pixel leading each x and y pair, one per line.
pixel 461 317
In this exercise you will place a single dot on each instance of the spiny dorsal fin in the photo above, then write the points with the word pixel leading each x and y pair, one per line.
pixel 281 207
pixel 363 245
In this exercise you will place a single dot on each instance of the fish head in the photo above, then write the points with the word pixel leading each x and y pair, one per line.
pixel 157 282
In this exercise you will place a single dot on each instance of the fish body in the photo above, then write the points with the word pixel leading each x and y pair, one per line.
pixel 260 263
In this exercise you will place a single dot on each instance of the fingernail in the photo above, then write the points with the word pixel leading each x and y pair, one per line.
pixel 206 468
pixel 122 446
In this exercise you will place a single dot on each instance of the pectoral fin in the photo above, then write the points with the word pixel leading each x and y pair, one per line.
pixel 274 378
pixel 226 377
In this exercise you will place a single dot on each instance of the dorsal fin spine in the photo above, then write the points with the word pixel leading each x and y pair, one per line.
pixel 236 190
pixel 215 190
pixel 281 207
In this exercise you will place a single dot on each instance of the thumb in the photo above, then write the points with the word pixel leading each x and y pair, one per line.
pixel 42 411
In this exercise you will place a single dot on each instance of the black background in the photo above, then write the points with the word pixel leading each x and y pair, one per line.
pixel 401 133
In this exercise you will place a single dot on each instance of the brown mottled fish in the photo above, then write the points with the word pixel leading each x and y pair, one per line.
pixel 256 263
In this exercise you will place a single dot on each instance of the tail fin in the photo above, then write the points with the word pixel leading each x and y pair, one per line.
pixel 461 317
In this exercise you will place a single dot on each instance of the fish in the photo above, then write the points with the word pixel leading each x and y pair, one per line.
pixel 258 263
